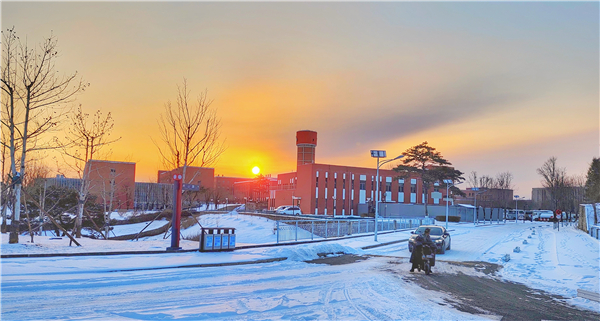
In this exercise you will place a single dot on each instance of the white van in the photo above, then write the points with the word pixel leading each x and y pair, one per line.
pixel 512 214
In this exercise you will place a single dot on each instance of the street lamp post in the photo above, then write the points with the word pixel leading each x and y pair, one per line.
pixel 475 211
pixel 517 197
pixel 379 154
pixel 448 183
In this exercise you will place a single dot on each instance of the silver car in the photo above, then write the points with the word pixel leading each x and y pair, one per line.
pixel 438 235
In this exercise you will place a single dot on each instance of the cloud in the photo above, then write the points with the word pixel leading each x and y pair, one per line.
pixel 472 99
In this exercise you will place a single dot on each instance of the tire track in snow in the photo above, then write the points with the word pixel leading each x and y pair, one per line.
pixel 349 299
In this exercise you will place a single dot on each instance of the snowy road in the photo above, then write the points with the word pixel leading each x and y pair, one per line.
pixel 380 288
pixel 284 290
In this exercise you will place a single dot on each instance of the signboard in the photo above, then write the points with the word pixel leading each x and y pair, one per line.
pixel 378 153
pixel 191 187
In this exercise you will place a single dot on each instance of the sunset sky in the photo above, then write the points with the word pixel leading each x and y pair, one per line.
pixel 493 86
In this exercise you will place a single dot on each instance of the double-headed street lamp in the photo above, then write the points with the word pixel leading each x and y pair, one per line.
pixel 379 154
pixel 448 183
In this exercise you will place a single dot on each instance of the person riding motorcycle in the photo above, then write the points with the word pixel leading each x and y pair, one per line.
pixel 416 258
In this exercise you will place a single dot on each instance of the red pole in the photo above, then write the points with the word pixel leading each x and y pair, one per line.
pixel 176 219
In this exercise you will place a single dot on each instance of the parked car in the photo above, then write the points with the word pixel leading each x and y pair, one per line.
pixel 438 235
pixel 547 215
pixel 281 208
pixel 293 210
pixel 537 214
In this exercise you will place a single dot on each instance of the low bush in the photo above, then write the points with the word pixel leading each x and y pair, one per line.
pixel 442 218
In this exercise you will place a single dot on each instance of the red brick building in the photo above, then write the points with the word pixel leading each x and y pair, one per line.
pixel 113 182
pixel 338 190
pixel 203 176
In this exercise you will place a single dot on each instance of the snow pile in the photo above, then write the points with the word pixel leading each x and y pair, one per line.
pixel 307 252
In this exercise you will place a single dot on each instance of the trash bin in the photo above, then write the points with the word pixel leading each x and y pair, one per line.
pixel 217 239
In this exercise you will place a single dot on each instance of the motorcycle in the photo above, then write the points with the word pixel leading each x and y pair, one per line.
pixel 428 258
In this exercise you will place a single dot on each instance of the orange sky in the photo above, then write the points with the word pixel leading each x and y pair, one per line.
pixel 494 86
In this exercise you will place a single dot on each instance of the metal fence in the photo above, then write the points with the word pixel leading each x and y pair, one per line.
pixel 297 230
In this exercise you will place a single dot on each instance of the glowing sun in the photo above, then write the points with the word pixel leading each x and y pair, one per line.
pixel 255 170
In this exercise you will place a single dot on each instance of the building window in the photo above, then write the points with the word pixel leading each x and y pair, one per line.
pixel 413 187
pixel 317 181
pixel 372 184
pixel 401 186
pixel 335 183
pixel 436 188
pixel 363 185
pixel 388 186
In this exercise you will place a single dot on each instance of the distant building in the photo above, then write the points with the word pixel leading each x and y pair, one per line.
pixel 491 197
pixel 202 176
pixel 62 181
pixel 567 198
pixel 342 190
pixel 153 196
pixel 541 199
pixel 113 182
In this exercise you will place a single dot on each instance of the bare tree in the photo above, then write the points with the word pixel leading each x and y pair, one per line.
pixel 553 178
pixel 83 143
pixel 190 133
pixel 504 180
pixel 33 97
pixel 473 179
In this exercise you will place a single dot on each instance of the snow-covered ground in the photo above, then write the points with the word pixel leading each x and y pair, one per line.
pixel 150 287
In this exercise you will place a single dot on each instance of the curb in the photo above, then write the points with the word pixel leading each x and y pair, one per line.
pixel 32 255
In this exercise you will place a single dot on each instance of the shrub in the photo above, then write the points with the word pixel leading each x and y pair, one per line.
pixel 442 218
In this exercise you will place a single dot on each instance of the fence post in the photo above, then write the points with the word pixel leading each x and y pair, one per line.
pixel 296 230
pixel 312 230
pixel 277 232
pixel 325 228
pixel 338 235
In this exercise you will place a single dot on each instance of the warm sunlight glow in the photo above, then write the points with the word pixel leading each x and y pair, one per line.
pixel 255 170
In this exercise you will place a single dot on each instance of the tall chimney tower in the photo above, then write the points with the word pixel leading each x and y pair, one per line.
pixel 306 140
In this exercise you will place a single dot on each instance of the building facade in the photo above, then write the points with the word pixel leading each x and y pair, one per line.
pixel 339 190
pixel 113 182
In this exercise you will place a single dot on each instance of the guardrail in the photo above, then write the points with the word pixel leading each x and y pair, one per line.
pixel 295 230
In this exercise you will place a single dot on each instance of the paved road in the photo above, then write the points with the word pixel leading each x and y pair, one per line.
pixel 489 295
pixel 483 295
